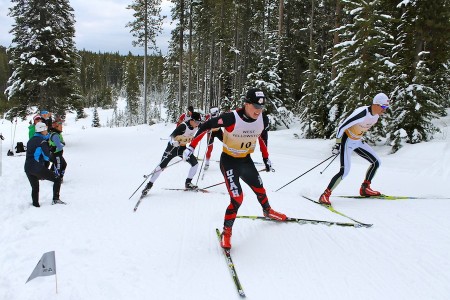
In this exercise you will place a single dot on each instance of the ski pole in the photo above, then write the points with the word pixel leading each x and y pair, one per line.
pixel 13 135
pixel 305 173
pixel 329 163
pixel 224 181
pixel 203 161
pixel 147 176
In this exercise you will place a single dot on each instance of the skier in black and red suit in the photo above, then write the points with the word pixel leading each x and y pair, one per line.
pixel 243 127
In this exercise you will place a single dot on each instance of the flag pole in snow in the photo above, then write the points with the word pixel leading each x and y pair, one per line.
pixel 45 267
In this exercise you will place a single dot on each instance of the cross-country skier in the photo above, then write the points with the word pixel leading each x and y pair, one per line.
pixel 212 134
pixel 181 136
pixel 349 138
pixel 243 127
pixel 35 167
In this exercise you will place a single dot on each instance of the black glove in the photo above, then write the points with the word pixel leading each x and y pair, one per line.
pixel 336 149
pixel 268 164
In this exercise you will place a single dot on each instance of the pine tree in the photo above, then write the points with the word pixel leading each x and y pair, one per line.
pixel 420 62
pixel 44 58
pixel 313 105
pixel 4 74
pixel 96 119
pixel 132 89
pixel 362 58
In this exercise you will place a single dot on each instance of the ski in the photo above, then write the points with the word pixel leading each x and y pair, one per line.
pixel 189 190
pixel 229 261
pixel 331 208
pixel 387 197
pixel 306 221
pixel 138 202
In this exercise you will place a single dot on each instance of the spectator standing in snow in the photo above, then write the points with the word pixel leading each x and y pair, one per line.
pixel 242 128
pixel 47 118
pixel 38 154
pixel 349 138
pixel 31 128
pixel 181 136
pixel 56 142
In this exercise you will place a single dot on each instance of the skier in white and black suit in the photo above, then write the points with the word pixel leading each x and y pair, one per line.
pixel 349 138
pixel 180 137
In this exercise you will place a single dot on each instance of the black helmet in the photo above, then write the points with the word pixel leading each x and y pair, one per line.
pixel 196 116
pixel 256 97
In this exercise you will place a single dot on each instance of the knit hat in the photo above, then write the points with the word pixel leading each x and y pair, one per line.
pixel 255 96
pixel 196 116
pixel 40 127
pixel 381 99
pixel 37 117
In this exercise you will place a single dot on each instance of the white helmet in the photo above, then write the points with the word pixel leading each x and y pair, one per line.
pixel 214 111
pixel 39 127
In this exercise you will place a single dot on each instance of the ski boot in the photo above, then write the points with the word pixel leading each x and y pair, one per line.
pixel 189 185
pixel 274 215
pixel 225 241
pixel 325 197
pixel 366 191
pixel 147 188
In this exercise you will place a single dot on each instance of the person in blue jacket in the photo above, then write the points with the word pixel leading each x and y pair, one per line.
pixel 38 154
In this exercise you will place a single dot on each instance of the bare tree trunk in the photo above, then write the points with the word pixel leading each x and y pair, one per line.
pixel 180 70
pixel 211 71
pixel 337 23
pixel 281 19
pixel 145 60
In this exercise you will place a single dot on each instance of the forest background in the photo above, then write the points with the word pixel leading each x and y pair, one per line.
pixel 317 60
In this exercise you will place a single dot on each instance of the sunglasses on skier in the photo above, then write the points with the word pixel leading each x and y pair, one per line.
pixel 384 106
pixel 258 106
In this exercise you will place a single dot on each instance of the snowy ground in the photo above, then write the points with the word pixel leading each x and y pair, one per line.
pixel 168 248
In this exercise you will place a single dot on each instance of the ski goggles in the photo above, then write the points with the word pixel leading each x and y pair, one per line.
pixel 384 106
pixel 258 106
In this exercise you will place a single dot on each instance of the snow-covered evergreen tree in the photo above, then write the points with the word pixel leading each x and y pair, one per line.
pixel 132 89
pixel 95 119
pixel 44 58
pixel 268 78
pixel 362 59
pixel 417 99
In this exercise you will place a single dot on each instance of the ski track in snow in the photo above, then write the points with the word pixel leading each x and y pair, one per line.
pixel 168 248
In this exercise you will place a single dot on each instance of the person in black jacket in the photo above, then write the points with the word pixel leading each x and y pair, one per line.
pixel 38 154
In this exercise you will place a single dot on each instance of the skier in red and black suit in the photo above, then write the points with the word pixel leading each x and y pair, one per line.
pixel 181 136
pixel 213 133
pixel 185 116
pixel 243 127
